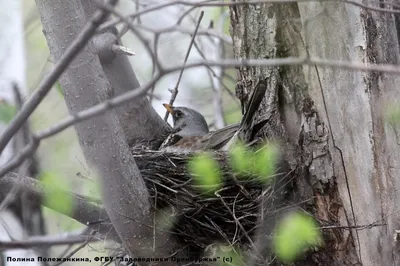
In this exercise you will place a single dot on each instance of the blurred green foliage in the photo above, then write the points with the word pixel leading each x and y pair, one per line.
pixel 206 172
pixel 56 196
pixel 7 112
pixel 294 235
pixel 260 163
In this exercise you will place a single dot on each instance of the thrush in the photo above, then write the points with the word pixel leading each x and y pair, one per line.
pixel 191 133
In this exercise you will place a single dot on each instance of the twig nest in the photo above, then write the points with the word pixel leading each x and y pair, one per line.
pixel 229 215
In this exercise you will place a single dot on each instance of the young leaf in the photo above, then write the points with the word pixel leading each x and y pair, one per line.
pixel 56 196
pixel 261 164
pixel 206 173
pixel 265 162
pixel 294 235
pixel 241 159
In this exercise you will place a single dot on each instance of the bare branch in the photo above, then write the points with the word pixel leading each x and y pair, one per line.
pixel 206 32
pixel 130 26
pixel 175 90
pixel 122 50
pixel 135 94
pixel 82 211
pixel 46 241
pixel 199 4
pixel 70 53
pixel 73 252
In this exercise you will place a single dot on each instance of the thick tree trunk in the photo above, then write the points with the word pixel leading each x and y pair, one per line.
pixel 347 158
pixel 102 138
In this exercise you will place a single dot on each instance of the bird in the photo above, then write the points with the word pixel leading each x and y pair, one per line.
pixel 191 132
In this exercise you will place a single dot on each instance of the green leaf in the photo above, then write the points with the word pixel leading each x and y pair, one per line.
pixel 261 164
pixel 56 189
pixel 7 112
pixel 241 159
pixel 294 235
pixel 206 173
pixel 265 162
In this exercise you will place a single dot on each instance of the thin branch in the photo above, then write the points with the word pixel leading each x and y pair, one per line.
pixel 175 90
pixel 70 53
pixel 157 35
pixel 119 49
pixel 131 27
pixel 212 75
pixel 73 252
pixel 199 4
pixel 177 28
pixel 81 210
pixel 135 94
pixel 44 241
pixel 351 227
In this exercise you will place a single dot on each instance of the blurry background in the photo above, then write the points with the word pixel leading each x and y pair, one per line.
pixel 211 91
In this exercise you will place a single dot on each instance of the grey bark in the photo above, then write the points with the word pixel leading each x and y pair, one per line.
pixel 82 211
pixel 139 120
pixel 330 121
pixel 102 139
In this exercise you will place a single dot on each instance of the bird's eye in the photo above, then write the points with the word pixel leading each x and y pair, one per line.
pixel 178 113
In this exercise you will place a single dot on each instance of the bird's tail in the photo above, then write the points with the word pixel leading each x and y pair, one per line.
pixel 222 136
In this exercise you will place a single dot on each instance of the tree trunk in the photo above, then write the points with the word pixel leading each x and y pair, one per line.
pixel 103 140
pixel 330 121
pixel 139 120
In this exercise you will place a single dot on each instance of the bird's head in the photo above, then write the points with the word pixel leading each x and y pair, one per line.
pixel 187 122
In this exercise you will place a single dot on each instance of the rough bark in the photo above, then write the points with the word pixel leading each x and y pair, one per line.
pixel 102 138
pixel 330 120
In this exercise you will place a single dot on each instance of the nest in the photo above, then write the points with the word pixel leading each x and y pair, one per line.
pixel 227 216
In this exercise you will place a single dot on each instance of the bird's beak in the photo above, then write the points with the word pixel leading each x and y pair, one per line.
pixel 169 108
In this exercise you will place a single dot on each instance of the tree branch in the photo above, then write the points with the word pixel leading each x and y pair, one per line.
pixel 46 241
pixel 82 211
pixel 101 108
pixel 175 90
pixel 70 53
pixel 102 138
pixel 139 120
